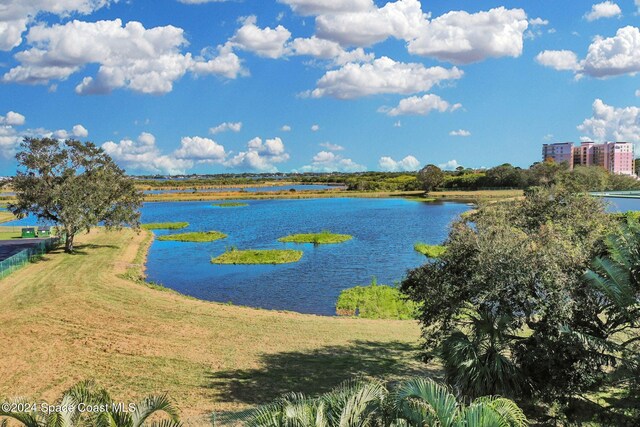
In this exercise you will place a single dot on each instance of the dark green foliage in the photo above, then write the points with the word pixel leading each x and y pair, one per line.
pixel 375 302
pixel 523 261
pixel 75 186
pixel 477 362
pixel 430 177
pixel 382 181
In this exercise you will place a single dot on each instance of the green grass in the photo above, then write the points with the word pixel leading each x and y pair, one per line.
pixel 165 225
pixel 430 251
pixel 375 302
pixel 230 204
pixel 8 235
pixel 258 256
pixel 205 356
pixel 196 236
pixel 324 237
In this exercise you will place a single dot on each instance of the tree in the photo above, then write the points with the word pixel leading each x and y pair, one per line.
pixel 430 177
pixel 416 402
pixel 523 261
pixel 73 185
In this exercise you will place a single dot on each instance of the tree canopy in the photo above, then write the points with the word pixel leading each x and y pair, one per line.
pixel 519 267
pixel 73 185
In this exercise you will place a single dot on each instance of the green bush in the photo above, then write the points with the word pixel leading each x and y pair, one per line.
pixel 375 302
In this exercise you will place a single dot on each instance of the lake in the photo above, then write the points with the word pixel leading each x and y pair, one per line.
pixel 384 232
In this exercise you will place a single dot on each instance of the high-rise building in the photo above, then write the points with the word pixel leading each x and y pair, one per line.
pixel 615 157
pixel 560 152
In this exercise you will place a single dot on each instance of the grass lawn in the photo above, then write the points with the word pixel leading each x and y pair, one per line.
pixel 196 236
pixel 258 256
pixel 165 225
pixel 71 317
pixel 6 216
pixel 321 238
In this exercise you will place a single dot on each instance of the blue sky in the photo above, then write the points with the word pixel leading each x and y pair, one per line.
pixel 197 86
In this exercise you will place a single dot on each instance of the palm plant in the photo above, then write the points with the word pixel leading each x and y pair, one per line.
pixel 86 394
pixel 417 402
pixel 477 362
pixel 615 279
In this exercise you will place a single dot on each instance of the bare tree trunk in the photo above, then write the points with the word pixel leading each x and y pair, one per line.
pixel 68 244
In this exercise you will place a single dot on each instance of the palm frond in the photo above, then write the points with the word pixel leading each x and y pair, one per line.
pixel 422 401
pixel 152 404
pixel 506 408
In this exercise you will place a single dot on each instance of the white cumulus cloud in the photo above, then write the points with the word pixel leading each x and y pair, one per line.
pixel 260 156
pixel 12 119
pixel 332 147
pixel 402 19
pixel 561 60
pixel 327 161
pixel 606 9
pixel 130 55
pixel 409 163
pixel 450 165
pixel 384 75
pixel 226 126
pixel 285 128
pixel 316 7
pixel 202 150
pixel 612 124
pixel 143 155
pixel 614 55
pixel 419 105
pixel 315 128
pixel 463 38
pixel 267 42
pixel 460 132
pixel 606 57
pixel 16 15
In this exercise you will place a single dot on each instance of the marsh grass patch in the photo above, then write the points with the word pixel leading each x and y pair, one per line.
pixel 322 238
pixel 195 236
pixel 258 256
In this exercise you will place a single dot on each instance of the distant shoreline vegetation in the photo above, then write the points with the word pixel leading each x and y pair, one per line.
pixel 230 205
pixel 322 238
pixel 165 225
pixel 195 236
pixel 258 256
